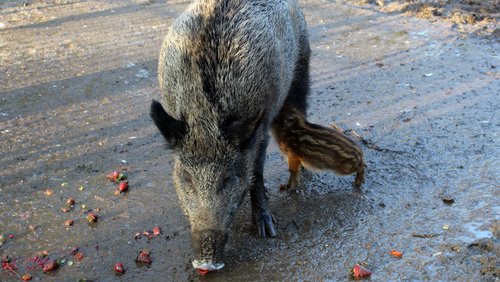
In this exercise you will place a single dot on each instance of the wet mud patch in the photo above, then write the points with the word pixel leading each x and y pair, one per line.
pixel 305 220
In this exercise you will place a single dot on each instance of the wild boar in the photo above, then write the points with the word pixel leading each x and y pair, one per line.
pixel 227 68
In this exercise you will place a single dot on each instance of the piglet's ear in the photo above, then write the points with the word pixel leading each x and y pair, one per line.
pixel 243 131
pixel 172 129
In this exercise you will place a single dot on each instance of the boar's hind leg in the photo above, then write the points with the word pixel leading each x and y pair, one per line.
pixel 261 215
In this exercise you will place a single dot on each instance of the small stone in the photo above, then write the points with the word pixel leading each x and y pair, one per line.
pixel 142 73
pixel 448 200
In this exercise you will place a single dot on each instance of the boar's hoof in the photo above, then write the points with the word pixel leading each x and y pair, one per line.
pixel 265 224
pixel 207 265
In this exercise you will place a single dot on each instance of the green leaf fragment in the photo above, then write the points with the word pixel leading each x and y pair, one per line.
pixel 121 176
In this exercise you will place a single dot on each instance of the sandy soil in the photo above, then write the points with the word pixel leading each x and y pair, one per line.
pixel 421 96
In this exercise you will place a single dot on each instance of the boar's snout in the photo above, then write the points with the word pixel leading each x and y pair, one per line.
pixel 209 247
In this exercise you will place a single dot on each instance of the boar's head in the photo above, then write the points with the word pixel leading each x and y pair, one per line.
pixel 213 170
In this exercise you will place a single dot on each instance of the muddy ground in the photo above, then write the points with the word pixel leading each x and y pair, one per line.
pixel 421 96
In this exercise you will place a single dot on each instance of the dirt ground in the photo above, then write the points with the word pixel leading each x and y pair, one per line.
pixel 471 16
pixel 421 94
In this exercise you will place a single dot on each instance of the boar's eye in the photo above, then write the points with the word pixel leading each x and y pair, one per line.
pixel 187 177
pixel 226 180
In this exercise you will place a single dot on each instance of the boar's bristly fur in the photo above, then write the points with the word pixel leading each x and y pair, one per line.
pixel 228 71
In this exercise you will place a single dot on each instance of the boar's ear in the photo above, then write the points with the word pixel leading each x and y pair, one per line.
pixel 173 130
pixel 243 131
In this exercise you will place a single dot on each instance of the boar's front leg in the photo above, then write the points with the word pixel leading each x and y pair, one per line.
pixel 261 215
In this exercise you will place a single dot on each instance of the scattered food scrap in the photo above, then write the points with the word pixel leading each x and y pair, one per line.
pixel 123 186
pixel 9 265
pixel 119 267
pixel 156 230
pixel 92 217
pixel 26 277
pixel 70 202
pixel 48 192
pixel 143 257
pixel 359 271
pixel 396 254
pixel 69 222
pixel 79 256
pixel 203 271
pixel 51 265
pixel 116 176
pixel 149 234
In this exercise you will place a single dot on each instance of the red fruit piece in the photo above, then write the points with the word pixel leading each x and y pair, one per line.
pixel 26 277
pixel 359 271
pixel 78 256
pixel 396 254
pixel 144 257
pixel 123 186
pixel 119 267
pixel 113 176
pixel 156 231
pixel 49 266
pixel 92 217
pixel 202 271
